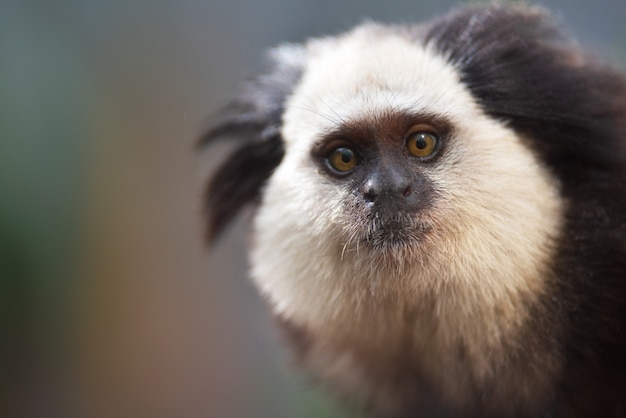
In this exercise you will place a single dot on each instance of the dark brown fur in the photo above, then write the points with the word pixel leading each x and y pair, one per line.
pixel 572 109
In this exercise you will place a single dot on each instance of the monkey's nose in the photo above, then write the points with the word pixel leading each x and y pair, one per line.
pixel 388 187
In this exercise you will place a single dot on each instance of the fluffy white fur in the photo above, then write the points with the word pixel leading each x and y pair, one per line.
pixel 496 212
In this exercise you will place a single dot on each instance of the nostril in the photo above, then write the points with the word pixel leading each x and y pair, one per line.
pixel 370 191
pixel 408 191
pixel 369 196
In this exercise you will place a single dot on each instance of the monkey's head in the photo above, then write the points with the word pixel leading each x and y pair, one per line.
pixel 417 177
pixel 394 177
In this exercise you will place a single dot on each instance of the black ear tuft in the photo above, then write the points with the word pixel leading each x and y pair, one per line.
pixel 253 120
pixel 238 182
pixel 525 70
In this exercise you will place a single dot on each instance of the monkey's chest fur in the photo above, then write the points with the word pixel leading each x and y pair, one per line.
pixel 440 357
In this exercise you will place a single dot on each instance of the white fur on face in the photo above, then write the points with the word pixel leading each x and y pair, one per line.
pixel 495 217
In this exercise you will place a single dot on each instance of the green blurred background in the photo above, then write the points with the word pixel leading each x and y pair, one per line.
pixel 110 305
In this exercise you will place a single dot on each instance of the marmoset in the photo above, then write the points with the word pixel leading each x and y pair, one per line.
pixel 439 220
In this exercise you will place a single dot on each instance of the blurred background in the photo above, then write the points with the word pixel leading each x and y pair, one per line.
pixel 110 303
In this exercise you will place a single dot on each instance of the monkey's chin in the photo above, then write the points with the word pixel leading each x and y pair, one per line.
pixel 395 237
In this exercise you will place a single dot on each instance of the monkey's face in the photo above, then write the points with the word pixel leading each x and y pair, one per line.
pixel 390 165
pixel 382 166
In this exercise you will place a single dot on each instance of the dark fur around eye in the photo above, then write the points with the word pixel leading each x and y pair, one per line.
pixel 252 122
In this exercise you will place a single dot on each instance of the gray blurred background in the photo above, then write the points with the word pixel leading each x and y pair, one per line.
pixel 110 304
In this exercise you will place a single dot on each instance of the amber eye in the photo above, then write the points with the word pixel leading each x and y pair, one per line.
pixel 422 144
pixel 342 159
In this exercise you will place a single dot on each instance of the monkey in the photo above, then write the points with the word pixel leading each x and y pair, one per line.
pixel 439 214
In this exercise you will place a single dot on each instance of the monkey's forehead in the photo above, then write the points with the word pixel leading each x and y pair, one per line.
pixel 369 71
